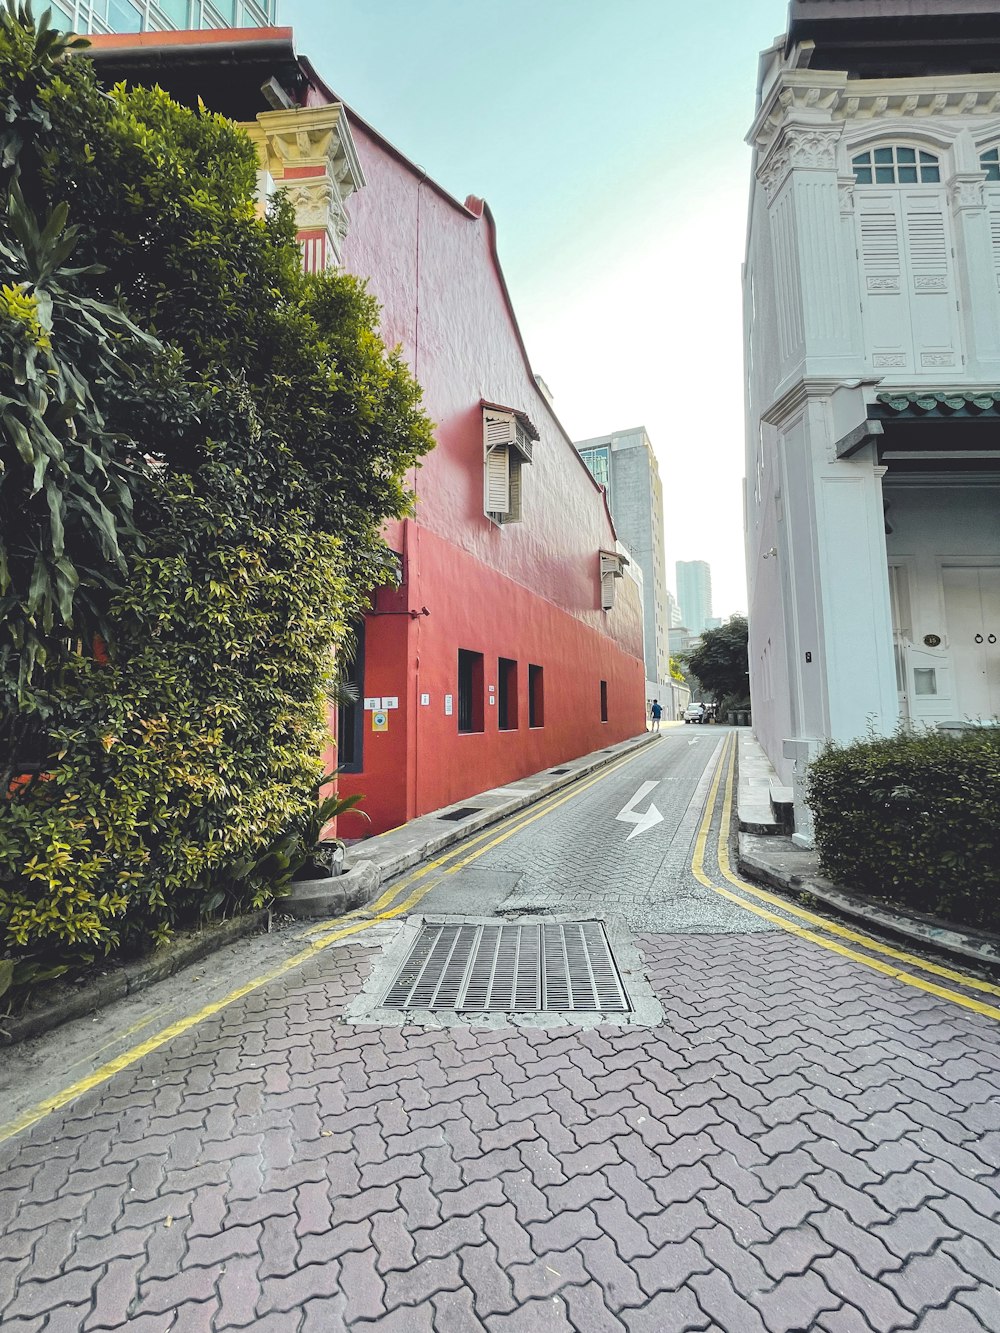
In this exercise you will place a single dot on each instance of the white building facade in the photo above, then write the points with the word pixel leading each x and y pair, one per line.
pixel 872 334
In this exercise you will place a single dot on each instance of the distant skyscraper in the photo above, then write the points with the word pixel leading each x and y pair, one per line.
pixel 158 15
pixel 625 465
pixel 694 592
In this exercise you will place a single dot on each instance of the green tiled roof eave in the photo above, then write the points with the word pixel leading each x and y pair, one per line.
pixel 941 402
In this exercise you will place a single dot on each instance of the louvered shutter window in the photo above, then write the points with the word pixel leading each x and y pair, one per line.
pixel 933 296
pixel 514 477
pixel 507 446
pixel 993 210
pixel 611 570
pixel 497 500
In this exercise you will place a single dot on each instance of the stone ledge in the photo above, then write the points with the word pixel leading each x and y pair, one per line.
pixel 127 978
pixel 334 895
pixel 782 865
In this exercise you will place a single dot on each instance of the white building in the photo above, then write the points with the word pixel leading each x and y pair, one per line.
pixel 872 322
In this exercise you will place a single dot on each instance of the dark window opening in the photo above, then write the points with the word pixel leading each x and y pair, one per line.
pixel 536 697
pixel 507 694
pixel 470 691
pixel 350 713
pixel 604 701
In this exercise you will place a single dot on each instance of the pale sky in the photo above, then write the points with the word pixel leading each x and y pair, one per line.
pixel 607 139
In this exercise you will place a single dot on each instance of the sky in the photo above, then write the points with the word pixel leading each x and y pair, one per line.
pixel 607 137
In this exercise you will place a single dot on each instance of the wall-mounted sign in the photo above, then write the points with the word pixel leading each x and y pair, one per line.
pixel 425 699
pixel 932 640
pixel 493 700
pixel 449 705
pixel 371 704
pixel 389 701
pixel 380 721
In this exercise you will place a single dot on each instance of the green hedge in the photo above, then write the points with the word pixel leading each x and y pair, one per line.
pixel 914 819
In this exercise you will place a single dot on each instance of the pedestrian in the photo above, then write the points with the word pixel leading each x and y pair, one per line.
pixel 655 713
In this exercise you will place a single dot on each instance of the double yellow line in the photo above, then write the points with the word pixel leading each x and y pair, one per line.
pixel 403 897
pixel 825 933
pixel 384 908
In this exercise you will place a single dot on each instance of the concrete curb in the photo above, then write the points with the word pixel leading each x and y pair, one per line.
pixel 335 894
pixel 128 979
pixel 787 867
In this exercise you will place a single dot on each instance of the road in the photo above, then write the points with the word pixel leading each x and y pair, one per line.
pixel 797 1127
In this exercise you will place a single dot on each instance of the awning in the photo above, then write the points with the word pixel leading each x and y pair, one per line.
pixel 931 430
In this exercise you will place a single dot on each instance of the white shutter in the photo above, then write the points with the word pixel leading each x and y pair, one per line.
pixel 497 482
pixel 514 481
pixel 993 203
pixel 933 311
pixel 498 428
pixel 608 591
pixel 884 298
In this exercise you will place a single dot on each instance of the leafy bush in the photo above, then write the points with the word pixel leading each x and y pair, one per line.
pixel 232 436
pixel 914 819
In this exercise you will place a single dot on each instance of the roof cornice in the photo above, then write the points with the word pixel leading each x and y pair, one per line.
pixel 821 97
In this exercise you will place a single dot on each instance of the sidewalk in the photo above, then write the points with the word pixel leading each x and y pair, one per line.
pixel 768 856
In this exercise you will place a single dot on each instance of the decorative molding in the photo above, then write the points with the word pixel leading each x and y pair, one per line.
pixel 966 191
pixel 932 359
pixel 316 146
pixel 806 147
pixel 830 98
pixel 889 360
pixel 930 283
pixel 883 284
pixel 845 192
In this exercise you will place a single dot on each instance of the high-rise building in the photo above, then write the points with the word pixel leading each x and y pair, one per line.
pixel 91 16
pixel 625 465
pixel 694 592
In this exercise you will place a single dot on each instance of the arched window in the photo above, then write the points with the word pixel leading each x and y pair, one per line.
pixel 896 166
pixel 990 163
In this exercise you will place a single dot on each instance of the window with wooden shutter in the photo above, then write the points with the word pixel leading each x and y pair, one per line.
pixel 507 447
pixel 612 569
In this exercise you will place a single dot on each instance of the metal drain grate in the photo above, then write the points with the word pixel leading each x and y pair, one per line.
pixel 462 813
pixel 511 967
pixel 558 770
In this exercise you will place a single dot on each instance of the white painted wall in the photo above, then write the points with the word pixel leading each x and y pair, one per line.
pixel 850 289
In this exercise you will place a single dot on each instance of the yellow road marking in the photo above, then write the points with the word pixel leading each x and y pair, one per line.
pixel 539 809
pixel 326 937
pixel 844 932
pixel 698 870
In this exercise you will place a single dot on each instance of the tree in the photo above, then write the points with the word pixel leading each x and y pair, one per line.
pixel 677 670
pixel 225 436
pixel 721 663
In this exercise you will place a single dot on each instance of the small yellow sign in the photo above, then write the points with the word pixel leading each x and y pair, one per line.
pixel 380 721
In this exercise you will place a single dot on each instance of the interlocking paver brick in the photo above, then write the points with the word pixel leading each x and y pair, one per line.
pixel 487 1279
pixel 670 1312
pixel 616 1279
pixel 454 1312
pixel 929 1280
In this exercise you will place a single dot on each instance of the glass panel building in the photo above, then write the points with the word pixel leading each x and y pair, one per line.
pixel 158 15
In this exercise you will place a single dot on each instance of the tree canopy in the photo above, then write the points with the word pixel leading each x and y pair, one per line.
pixel 720 663
pixel 199 445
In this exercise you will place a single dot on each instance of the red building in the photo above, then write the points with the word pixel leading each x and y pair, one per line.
pixel 514 639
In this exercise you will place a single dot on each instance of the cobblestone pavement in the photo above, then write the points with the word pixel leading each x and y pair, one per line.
pixel 803 1144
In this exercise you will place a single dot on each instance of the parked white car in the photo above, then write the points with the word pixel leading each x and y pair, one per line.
pixel 694 713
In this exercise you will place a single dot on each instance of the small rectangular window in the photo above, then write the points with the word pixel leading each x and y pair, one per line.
pixel 604 701
pixel 470 691
pixel 350 714
pixel 536 697
pixel 507 694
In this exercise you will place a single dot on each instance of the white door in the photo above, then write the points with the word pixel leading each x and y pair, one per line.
pixel 972 609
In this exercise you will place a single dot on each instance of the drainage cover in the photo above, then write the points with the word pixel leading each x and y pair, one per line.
pixel 462 813
pixel 558 770
pixel 511 967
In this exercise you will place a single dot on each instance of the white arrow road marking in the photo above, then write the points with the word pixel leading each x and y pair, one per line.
pixel 629 815
pixel 694 740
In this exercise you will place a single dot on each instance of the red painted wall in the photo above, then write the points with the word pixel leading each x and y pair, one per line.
pixel 529 591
